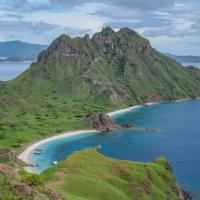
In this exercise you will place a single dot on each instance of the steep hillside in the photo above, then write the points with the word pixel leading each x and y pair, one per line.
pixel 16 184
pixel 112 67
pixel 76 77
pixel 90 175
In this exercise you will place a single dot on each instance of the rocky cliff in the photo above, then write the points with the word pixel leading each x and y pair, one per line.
pixel 102 122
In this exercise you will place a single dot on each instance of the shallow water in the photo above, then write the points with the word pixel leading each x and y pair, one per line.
pixel 176 136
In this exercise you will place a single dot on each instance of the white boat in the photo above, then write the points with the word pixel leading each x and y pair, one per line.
pixel 37 152
pixel 55 162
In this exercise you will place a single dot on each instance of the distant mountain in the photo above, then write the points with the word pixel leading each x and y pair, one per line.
pixel 185 59
pixel 18 49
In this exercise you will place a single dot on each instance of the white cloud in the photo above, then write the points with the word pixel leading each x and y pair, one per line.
pixel 168 24
pixel 80 17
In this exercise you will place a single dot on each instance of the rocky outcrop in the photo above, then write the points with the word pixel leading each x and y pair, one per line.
pixel 6 170
pixel 102 122
pixel 61 46
pixel 186 195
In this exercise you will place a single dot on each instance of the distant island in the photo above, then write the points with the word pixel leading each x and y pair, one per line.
pixel 17 59
pixel 185 59
pixel 19 51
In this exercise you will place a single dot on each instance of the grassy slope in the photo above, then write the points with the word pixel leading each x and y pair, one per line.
pixel 24 124
pixel 16 184
pixel 88 175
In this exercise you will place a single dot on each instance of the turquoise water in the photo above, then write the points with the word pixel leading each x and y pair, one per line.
pixel 176 136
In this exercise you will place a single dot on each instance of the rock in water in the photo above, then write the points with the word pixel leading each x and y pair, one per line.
pixel 102 122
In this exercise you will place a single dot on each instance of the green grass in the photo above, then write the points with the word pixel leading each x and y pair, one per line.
pixel 19 127
pixel 88 175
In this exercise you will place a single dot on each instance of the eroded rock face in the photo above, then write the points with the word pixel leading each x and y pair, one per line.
pixel 54 195
pixel 102 122
pixel 186 195
pixel 61 46
pixel 6 170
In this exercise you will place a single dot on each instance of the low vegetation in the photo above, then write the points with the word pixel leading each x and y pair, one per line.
pixel 88 175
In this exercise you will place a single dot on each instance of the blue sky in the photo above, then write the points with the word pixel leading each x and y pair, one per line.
pixel 171 25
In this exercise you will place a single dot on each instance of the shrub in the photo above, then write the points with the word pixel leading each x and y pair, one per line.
pixel 32 179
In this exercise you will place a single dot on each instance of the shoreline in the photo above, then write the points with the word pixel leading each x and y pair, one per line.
pixel 24 156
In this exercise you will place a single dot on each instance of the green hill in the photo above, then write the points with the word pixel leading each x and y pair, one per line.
pixel 89 175
pixel 76 77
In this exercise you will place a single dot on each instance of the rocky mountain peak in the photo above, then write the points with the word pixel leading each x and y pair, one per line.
pixel 105 38
pixel 60 46
pixel 107 30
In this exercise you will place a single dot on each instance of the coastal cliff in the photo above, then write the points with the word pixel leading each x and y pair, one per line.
pixel 90 175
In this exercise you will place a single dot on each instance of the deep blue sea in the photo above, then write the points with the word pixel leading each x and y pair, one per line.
pixel 175 135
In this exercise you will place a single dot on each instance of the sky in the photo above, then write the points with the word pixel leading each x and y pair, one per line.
pixel 171 25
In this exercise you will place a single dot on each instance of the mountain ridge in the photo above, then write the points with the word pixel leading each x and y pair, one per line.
pixel 135 55
pixel 77 77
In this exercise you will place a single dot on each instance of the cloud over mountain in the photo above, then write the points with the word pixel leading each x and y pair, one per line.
pixel 168 24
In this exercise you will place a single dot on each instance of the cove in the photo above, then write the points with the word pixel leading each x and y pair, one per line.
pixel 176 136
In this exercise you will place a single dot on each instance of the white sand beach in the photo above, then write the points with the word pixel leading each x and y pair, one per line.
pixel 25 156
pixel 111 114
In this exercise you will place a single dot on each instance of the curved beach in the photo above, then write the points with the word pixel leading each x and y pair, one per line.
pixel 25 155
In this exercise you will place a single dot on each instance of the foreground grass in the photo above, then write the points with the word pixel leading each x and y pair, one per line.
pixel 89 175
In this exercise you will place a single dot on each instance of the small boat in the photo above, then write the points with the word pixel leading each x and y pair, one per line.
pixel 37 152
pixel 55 162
